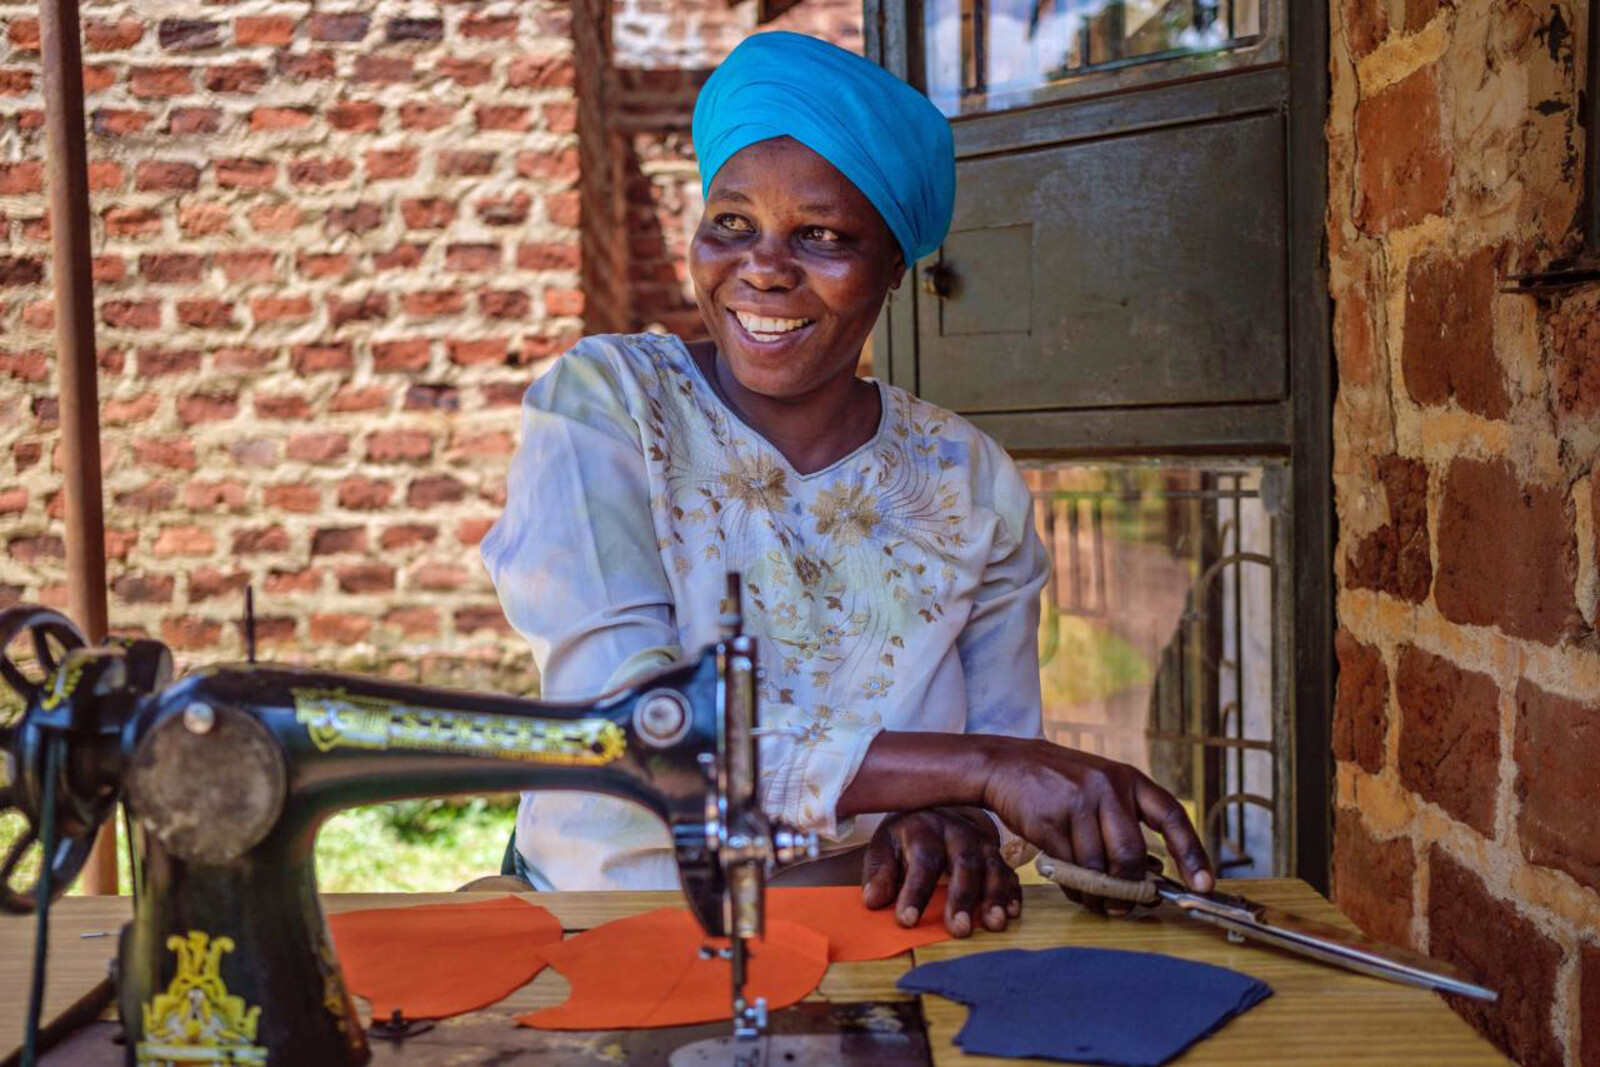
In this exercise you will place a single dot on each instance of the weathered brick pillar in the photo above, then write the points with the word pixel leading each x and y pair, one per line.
pixel 1467 430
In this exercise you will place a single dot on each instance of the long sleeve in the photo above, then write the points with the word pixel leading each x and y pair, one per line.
pixel 574 556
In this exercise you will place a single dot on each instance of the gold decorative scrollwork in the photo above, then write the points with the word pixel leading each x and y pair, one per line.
pixel 197 1020
pixel 335 718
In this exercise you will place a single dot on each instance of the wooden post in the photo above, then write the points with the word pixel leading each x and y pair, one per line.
pixel 68 181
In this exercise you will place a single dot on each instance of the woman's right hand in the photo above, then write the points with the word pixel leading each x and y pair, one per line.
pixel 1086 810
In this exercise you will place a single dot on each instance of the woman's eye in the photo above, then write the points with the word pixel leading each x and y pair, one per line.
pixel 734 223
pixel 821 233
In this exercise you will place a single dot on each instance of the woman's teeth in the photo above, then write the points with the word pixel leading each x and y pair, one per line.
pixel 765 329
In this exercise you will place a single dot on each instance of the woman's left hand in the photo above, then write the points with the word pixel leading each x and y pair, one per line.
pixel 912 849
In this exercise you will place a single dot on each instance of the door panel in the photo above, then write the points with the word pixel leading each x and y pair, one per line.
pixel 1063 284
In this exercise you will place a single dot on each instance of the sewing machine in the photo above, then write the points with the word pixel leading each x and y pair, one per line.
pixel 227 774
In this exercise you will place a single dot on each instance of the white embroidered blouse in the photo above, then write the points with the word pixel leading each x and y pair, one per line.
pixel 896 589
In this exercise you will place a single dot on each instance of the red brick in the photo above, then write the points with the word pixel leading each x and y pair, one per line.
pixel 246 173
pixel 18 179
pixel 161 176
pixel 358 218
pixel 323 264
pixel 39 315
pixel 25 454
pixel 1493 942
pixel 244 359
pixel 118 122
pixel 420 116
pixel 564 301
pixel 1558 791
pixel 355 116
pixel 365 494
pixel 154 362
pixel 257 541
pixel 46 412
pixel 20 271
pixel 1575 338
pixel 472 257
pixel 339 629
pixel 265 309
pixel 241 78
pixel 1372 879
pixel 206 407
pixel 399 446
pixel 1396 558
pixel 151 496
pixel 30 550
pixel 1366 25
pixel 391 163
pixel 432 303
pixel 144 588
pixel 564 209
pixel 495 27
pixel 415 29
pixel 95 78
pixel 368 308
pixel 408 355
pixel 295 497
pixel 272 30
pixel 30 366
pixel 1449 735
pixel 561 117
pixel 432 490
pixel 1403 166
pixel 154 83
pixel 185 633
pixel 120 542
pixel 1360 713
pixel 438 577
pixel 187 120
pixel 267 119
pixel 1449 334
pixel 306 66
pixel 287 407
pixel 215 496
pixel 315 359
pixel 198 219
pixel 464 163
pixel 504 304
pixel 487 617
pixel 491 444
pixel 559 168
pixel 408 535
pixel 504 117
pixel 434 397
pixel 548 255
pixel 503 394
pixel 1589 1007
pixel 254 452
pixel 158 267
pixel 383 70
pixel 344 26
pixel 541 72
pixel 132 221
pixel 361 398
pixel 1508 554
pixel 358 578
pixel 248 265
pixel 131 314
pixel 428 214
pixel 36 230
pixel 337 540
pixel 205 314
pixel 318 447
pixel 400 257
pixel 23 34
pixel 105 175
pixel 111 35
pixel 413 622
pixel 463 71
pixel 505 210
pixel 469 352
pixel 275 218
pixel 13 501
pixel 117 412
pixel 184 541
pixel 288 583
pixel 188 35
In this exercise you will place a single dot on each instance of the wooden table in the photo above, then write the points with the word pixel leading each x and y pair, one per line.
pixel 1317 1015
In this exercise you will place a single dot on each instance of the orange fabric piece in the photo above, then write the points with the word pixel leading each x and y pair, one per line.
pixel 646 971
pixel 437 960
pixel 854 932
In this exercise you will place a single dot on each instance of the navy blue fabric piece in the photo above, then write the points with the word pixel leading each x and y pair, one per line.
pixel 1087 1005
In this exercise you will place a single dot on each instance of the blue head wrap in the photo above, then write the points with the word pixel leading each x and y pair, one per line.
pixel 880 133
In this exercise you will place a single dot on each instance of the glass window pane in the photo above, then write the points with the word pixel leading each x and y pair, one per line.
pixel 982 54
pixel 1159 636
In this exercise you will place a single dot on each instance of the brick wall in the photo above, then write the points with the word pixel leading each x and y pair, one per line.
pixel 331 247
pixel 1467 431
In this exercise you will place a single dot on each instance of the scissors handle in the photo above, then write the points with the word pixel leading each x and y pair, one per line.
pixel 1071 876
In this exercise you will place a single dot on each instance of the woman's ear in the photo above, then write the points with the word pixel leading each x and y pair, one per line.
pixel 897 273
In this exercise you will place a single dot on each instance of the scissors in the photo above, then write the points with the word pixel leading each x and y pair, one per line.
pixel 1244 918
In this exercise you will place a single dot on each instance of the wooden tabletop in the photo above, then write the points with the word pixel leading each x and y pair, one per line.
pixel 1317 1015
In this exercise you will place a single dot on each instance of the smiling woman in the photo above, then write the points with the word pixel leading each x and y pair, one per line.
pixel 891 569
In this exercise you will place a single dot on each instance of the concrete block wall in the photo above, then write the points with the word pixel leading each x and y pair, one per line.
pixel 1467 431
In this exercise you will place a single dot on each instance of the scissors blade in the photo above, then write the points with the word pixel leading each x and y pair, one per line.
pixel 1330 944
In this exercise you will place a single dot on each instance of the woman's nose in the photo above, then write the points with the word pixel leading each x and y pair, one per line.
pixel 768 264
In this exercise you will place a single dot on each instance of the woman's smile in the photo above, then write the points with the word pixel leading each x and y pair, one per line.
pixel 767 330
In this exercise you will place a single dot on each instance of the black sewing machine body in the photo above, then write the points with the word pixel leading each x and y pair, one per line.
pixel 228 773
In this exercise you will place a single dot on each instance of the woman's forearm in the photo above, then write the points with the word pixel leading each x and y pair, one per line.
pixel 905 771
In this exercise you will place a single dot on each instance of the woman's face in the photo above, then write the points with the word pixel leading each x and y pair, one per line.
pixel 791 264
